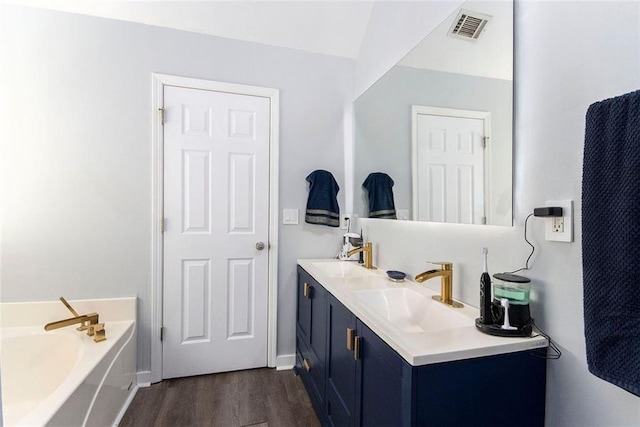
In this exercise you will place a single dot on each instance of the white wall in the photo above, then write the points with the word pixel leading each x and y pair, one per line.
pixel 76 144
pixel 568 55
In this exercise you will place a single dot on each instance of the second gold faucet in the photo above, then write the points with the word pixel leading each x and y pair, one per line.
pixel 446 282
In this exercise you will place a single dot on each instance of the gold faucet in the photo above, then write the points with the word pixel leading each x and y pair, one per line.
pixel 446 283
pixel 88 322
pixel 367 250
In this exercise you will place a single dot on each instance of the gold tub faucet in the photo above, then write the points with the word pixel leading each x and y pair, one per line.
pixel 446 282
pixel 367 250
pixel 88 322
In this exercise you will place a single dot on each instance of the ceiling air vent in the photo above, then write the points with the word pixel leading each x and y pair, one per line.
pixel 469 25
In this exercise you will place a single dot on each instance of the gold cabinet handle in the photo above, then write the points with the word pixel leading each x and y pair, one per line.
pixel 350 337
pixel 306 290
pixel 357 342
pixel 306 364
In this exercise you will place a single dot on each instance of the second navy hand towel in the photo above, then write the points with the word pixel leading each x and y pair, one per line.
pixel 379 185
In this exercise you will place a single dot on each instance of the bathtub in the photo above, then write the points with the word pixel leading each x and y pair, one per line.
pixel 63 377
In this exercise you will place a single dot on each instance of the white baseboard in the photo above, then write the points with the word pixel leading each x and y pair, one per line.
pixel 282 363
pixel 287 361
pixel 144 378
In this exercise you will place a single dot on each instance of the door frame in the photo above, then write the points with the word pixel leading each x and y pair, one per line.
pixel 159 81
pixel 485 116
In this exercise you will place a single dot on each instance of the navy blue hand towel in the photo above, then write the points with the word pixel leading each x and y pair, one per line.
pixel 322 204
pixel 380 188
pixel 611 240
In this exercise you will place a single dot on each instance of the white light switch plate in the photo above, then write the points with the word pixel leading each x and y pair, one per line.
pixel 290 216
pixel 567 216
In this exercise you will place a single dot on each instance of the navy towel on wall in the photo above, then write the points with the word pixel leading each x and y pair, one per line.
pixel 380 188
pixel 322 204
pixel 611 240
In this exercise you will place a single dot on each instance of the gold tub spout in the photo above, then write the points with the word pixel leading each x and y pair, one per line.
pixel 446 283
pixel 367 250
pixel 85 320
pixel 88 322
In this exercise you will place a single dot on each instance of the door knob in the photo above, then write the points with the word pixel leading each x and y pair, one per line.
pixel 260 246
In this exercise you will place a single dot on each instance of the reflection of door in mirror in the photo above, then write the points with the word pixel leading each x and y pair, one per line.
pixel 448 164
pixel 448 72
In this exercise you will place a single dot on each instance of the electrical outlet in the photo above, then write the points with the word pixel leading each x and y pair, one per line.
pixel 560 229
pixel 557 224
pixel 345 220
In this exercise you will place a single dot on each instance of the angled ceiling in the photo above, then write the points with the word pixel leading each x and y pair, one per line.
pixel 328 27
pixel 332 27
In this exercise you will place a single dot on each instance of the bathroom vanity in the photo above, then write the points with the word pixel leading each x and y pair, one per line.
pixel 374 352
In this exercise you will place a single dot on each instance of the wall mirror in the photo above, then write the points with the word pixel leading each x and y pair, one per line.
pixel 440 122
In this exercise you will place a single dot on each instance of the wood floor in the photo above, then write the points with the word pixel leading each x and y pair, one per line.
pixel 257 397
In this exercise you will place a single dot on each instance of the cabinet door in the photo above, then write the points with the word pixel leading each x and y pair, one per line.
pixel 498 391
pixel 311 317
pixel 341 369
pixel 303 315
pixel 311 336
pixel 384 383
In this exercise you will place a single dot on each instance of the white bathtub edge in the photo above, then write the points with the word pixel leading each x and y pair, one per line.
pixel 38 313
pixel 129 344
pixel 125 406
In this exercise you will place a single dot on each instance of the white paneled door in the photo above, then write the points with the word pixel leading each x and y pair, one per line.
pixel 449 166
pixel 216 209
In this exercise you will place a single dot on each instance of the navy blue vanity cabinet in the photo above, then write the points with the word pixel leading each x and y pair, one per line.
pixel 366 378
pixel 501 390
pixel 341 365
pixel 311 337
pixel 383 378
pixel 354 378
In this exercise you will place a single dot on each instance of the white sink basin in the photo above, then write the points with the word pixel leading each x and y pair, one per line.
pixel 411 311
pixel 342 269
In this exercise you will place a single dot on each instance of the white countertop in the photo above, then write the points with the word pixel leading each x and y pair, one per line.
pixel 417 348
